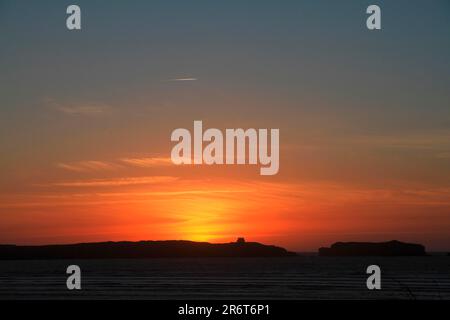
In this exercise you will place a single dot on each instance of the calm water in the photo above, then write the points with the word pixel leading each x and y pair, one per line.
pixel 305 277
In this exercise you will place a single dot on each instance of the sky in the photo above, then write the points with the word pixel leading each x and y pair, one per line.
pixel 86 118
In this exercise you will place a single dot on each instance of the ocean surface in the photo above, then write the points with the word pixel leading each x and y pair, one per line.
pixel 302 277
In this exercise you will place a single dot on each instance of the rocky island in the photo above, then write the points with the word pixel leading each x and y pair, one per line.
pixel 390 248
pixel 142 249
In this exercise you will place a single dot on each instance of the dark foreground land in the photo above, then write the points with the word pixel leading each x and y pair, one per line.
pixel 141 250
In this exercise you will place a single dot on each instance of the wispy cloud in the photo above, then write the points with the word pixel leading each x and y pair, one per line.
pixel 87 110
pixel 437 139
pixel 147 162
pixel 184 79
pixel 96 165
pixel 116 182
pixel 86 166
pixel 443 155
pixel 80 109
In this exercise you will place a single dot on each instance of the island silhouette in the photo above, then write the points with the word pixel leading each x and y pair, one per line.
pixel 142 250
pixel 191 249
pixel 386 249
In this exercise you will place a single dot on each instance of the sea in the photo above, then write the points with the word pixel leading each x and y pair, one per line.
pixel 304 277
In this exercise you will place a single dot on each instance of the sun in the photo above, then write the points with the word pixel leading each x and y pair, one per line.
pixel 205 219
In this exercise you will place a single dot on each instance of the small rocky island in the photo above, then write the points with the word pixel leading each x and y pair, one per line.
pixel 386 249
pixel 142 250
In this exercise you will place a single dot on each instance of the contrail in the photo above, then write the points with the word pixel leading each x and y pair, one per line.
pixel 184 79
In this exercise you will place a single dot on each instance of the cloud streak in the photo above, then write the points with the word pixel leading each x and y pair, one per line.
pixel 81 109
pixel 88 166
pixel 85 110
pixel 116 182
pixel 96 165
pixel 147 162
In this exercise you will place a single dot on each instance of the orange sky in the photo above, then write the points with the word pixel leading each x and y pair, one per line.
pixel 102 201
